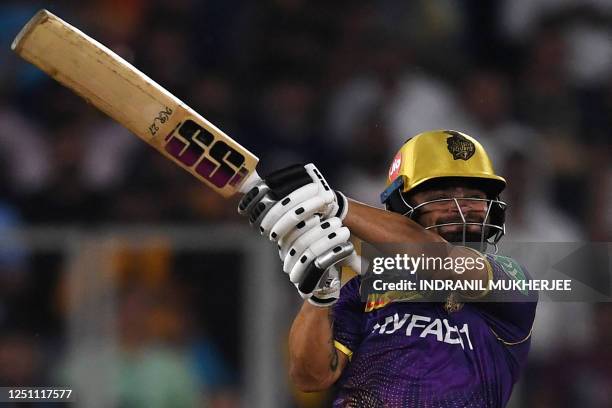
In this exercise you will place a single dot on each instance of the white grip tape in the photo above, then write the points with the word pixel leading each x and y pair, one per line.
pixel 286 241
pixel 318 248
pixel 309 238
pixel 302 212
pixel 284 206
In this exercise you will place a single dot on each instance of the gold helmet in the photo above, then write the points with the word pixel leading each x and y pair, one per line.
pixel 443 154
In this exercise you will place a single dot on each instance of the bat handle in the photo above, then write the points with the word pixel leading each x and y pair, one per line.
pixel 250 182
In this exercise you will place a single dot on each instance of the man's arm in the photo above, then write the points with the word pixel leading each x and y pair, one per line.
pixel 301 195
pixel 377 226
pixel 315 363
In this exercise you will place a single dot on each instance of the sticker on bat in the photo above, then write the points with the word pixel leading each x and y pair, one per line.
pixel 162 117
pixel 214 160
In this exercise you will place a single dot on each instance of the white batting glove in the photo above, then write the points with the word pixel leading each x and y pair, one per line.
pixel 310 245
pixel 309 254
pixel 289 197
pixel 320 280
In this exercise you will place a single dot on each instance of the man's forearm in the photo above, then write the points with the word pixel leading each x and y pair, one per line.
pixel 315 364
pixel 375 225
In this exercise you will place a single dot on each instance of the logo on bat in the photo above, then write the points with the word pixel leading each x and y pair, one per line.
pixel 214 160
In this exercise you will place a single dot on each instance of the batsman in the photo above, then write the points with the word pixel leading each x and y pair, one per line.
pixel 395 349
pixel 392 349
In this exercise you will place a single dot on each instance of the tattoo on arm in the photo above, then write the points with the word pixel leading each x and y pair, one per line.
pixel 333 355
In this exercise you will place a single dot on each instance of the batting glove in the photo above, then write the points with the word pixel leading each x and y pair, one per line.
pixel 309 255
pixel 328 290
pixel 320 278
pixel 289 197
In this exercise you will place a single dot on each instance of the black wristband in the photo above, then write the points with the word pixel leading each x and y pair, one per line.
pixel 323 301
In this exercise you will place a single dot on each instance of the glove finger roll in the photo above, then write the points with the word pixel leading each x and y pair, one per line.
pixel 299 246
pixel 315 270
pixel 285 241
pixel 324 244
pixel 285 205
pixel 302 212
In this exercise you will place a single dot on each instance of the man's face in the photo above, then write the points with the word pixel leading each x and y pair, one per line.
pixel 447 211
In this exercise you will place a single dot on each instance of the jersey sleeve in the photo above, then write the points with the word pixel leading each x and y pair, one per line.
pixel 348 318
pixel 509 314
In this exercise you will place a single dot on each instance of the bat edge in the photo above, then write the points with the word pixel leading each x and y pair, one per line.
pixel 39 18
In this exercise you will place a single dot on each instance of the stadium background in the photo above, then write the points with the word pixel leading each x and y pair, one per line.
pixel 126 279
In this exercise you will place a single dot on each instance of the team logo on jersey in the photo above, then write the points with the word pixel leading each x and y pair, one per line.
pixel 395 167
pixel 459 146
pixel 452 304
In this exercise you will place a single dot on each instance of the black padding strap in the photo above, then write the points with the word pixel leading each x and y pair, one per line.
pixel 284 181
pixel 312 275
pixel 396 204
pixel 247 199
pixel 341 200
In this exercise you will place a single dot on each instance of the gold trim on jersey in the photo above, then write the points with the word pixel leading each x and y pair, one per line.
pixel 508 343
pixel 343 349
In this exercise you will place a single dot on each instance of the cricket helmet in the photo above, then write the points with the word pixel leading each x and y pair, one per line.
pixel 445 154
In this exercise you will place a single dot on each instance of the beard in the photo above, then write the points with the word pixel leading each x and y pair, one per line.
pixel 456 237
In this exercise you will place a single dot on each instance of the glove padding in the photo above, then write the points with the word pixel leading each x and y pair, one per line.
pixel 310 245
pixel 328 290
pixel 320 281
pixel 288 197
pixel 296 207
pixel 308 254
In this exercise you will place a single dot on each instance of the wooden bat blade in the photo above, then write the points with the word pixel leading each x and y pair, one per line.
pixel 128 96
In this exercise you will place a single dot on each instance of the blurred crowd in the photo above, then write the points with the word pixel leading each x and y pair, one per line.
pixel 342 84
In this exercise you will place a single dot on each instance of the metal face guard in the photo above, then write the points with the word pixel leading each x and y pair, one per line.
pixel 490 232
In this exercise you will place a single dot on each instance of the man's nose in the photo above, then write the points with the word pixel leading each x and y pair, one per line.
pixel 463 205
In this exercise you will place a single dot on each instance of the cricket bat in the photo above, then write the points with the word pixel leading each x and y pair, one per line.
pixel 134 100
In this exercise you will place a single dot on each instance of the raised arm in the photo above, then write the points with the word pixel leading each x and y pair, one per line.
pixel 295 208
pixel 377 226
